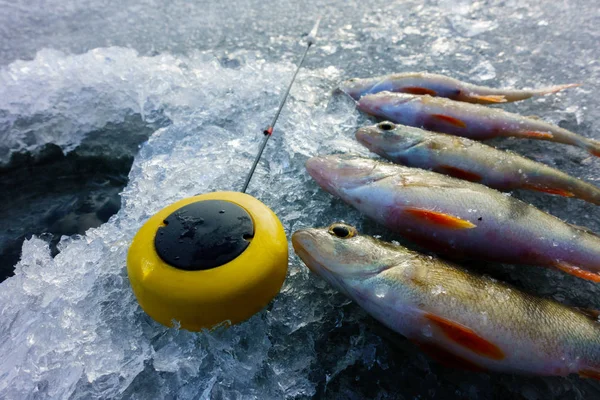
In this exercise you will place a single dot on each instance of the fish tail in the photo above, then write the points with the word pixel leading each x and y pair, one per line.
pixel 484 95
pixel 555 89
pixel 558 183
pixel 590 373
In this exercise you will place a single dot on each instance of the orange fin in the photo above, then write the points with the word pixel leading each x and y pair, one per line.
pixel 450 120
pixel 595 153
pixel 590 373
pixel 533 117
pixel 578 272
pixel 584 229
pixel 447 358
pixel 418 90
pixel 560 192
pixel 489 98
pixel 458 173
pixel 438 218
pixel 538 134
pixel 465 337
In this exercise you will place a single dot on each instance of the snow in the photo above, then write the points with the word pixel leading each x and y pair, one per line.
pixel 70 326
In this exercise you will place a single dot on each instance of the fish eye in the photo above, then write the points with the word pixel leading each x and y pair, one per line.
pixel 386 126
pixel 342 231
pixel 352 80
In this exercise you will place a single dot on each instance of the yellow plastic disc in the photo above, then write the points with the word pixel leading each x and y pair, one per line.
pixel 229 293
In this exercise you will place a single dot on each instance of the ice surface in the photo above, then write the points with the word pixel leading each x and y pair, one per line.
pixel 70 326
pixel 65 88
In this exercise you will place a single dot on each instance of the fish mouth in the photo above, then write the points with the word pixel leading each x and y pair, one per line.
pixel 301 240
pixel 370 104
pixel 387 141
pixel 365 137
pixel 376 104
pixel 351 88
pixel 372 140
pixel 341 261
pixel 339 174
pixel 335 173
pixel 320 168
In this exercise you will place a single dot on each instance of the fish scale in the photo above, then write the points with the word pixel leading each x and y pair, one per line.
pixel 467 120
pixel 470 160
pixel 423 83
pixel 458 217
pixel 461 318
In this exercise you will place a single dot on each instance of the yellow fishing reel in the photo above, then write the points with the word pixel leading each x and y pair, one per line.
pixel 217 258
pixel 214 258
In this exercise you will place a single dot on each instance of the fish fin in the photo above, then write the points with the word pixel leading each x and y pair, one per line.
pixel 466 338
pixel 560 192
pixel 557 88
pixel 590 373
pixel 448 359
pixel 584 229
pixel 490 98
pixel 458 173
pixel 593 146
pixel 438 218
pixel 451 120
pixel 578 272
pixel 537 134
pixel 534 117
pixel 590 313
pixel 418 90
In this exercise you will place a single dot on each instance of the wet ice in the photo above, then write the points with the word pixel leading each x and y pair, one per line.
pixel 70 326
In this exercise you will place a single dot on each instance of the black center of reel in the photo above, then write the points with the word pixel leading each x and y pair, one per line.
pixel 204 235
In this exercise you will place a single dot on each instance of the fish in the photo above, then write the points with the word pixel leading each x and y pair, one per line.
pixel 457 217
pixel 422 83
pixel 470 160
pixel 457 317
pixel 473 121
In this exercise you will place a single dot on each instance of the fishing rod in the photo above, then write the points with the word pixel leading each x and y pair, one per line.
pixel 212 259
pixel 268 132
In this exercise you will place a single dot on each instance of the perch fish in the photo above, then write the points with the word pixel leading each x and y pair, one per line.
pixel 458 217
pixel 467 120
pixel 470 160
pixel 459 318
pixel 442 86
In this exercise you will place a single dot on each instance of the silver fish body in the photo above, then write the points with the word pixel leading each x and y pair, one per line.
pixel 460 318
pixel 442 86
pixel 467 159
pixel 467 120
pixel 458 217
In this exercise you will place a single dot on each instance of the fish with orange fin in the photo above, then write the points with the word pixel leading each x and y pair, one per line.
pixel 460 318
pixel 470 160
pixel 458 217
pixel 468 120
pixel 442 86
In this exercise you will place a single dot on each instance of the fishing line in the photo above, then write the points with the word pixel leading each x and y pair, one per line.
pixel 214 258
pixel 268 132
